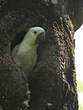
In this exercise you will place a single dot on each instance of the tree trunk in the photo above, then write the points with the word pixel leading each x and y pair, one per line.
pixel 53 80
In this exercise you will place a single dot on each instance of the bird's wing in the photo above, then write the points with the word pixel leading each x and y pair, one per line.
pixel 15 50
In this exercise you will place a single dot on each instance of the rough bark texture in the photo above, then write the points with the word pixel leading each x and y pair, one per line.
pixel 12 85
pixel 53 81
pixel 50 8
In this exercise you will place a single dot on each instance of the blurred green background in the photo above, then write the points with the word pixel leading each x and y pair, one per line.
pixel 80 94
pixel 79 64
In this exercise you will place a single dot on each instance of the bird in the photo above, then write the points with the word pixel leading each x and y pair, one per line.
pixel 25 53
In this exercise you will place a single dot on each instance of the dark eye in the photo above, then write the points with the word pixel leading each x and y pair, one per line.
pixel 35 32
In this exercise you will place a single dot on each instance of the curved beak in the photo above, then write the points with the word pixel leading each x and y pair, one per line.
pixel 41 37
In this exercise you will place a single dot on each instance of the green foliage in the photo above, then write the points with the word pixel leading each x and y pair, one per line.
pixel 80 86
pixel 80 106
pixel 80 90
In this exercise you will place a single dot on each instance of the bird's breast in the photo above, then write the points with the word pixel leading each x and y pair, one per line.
pixel 27 59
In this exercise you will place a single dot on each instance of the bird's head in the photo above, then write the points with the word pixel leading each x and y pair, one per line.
pixel 35 35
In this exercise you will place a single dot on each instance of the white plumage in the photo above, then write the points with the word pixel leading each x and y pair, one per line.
pixel 25 53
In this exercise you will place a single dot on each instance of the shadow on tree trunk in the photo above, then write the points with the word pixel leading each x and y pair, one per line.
pixel 53 80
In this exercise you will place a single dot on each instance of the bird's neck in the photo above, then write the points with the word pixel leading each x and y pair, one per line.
pixel 25 46
pixel 29 39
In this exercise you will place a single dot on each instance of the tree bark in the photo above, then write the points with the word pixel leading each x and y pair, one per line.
pixel 53 80
pixel 73 8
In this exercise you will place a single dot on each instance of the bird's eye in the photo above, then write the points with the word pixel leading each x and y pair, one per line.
pixel 35 32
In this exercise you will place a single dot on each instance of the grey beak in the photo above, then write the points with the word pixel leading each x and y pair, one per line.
pixel 40 38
